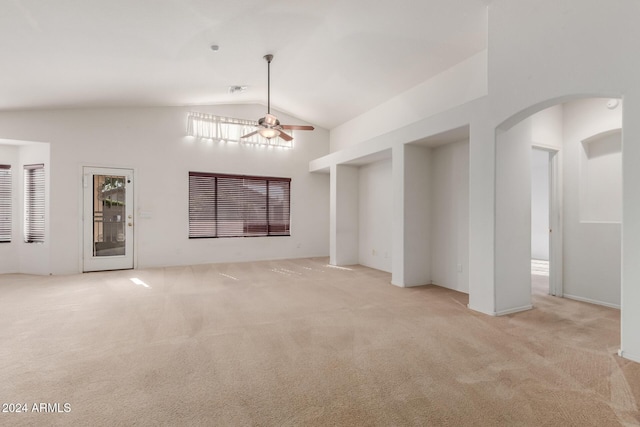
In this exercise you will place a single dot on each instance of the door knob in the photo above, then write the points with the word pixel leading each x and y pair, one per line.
pixel 130 224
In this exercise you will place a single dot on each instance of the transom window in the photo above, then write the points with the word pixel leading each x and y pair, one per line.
pixel 218 128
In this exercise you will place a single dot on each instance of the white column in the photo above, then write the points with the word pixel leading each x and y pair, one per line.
pixel 411 216
pixel 630 312
pixel 513 219
pixel 397 240
pixel 481 212
pixel 343 239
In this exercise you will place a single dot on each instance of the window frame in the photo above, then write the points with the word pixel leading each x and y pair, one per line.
pixel 282 229
pixel 34 203
pixel 6 204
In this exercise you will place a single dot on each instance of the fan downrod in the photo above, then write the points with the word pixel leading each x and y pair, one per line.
pixel 268 57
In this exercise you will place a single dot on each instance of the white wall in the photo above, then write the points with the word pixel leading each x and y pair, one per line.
pixel 152 141
pixel 540 204
pixel 453 87
pixel 546 127
pixel 592 246
pixel 601 178
pixel 375 215
pixel 421 191
pixel 450 216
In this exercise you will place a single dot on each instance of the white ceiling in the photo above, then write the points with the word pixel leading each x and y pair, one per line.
pixel 333 59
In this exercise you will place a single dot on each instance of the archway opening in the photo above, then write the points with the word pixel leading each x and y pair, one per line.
pixel 585 202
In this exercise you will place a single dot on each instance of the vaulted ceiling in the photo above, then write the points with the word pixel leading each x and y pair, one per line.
pixel 333 59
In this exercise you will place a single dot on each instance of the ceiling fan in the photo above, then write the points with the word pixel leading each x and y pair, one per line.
pixel 269 125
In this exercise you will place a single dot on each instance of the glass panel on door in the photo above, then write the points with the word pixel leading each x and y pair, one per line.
pixel 109 217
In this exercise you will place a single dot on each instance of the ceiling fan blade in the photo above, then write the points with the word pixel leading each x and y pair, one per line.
pixel 296 127
pixel 285 136
pixel 249 134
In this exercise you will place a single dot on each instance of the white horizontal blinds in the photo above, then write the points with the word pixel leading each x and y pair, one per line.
pixel 5 203
pixel 279 207
pixel 34 203
pixel 238 206
pixel 202 206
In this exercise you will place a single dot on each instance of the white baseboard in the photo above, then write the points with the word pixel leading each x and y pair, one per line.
pixel 502 312
pixel 488 313
pixel 627 355
pixel 513 310
pixel 591 301
pixel 408 285
pixel 415 285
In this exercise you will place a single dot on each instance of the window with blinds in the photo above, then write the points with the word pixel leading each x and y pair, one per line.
pixel 238 206
pixel 34 203
pixel 5 203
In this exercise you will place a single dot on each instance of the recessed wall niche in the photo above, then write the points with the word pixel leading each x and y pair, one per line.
pixel 601 178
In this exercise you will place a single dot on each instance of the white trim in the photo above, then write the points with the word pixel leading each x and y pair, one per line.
pixel 629 356
pixel 513 310
pixel 556 252
pixel 407 285
pixel 108 263
pixel 592 301
pixel 544 147
pixel 488 313
pixel 600 222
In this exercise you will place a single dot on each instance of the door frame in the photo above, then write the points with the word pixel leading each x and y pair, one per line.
pixel 555 219
pixel 81 223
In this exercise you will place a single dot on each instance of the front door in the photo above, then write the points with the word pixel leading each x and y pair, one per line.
pixel 107 219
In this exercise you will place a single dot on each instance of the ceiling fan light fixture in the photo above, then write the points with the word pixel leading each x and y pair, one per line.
pixel 270 120
pixel 269 133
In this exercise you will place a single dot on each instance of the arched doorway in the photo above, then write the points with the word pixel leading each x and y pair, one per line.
pixel 585 240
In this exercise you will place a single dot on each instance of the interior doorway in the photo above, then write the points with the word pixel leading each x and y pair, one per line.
pixel 540 214
pixel 546 222
pixel 108 219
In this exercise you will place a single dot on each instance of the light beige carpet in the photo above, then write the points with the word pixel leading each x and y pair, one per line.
pixel 296 342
